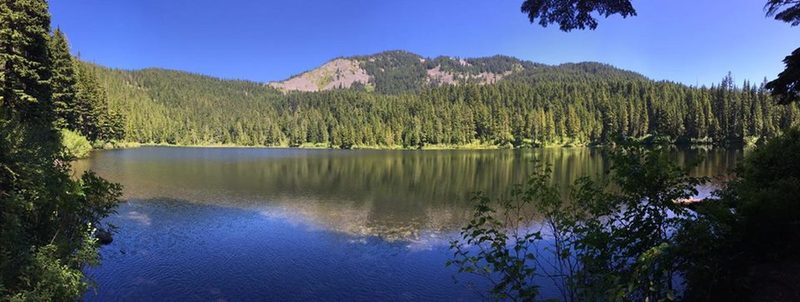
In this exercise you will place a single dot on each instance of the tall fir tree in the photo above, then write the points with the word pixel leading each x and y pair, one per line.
pixel 63 81
pixel 93 117
pixel 47 218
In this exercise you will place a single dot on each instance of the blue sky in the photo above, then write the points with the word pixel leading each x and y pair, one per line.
pixel 690 41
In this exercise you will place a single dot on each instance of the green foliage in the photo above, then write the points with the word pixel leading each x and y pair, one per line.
pixel 578 104
pixel 497 245
pixel 786 88
pixel 47 217
pixel 80 103
pixel 395 71
pixel 614 242
pixel 495 64
pixel 63 81
pixel 93 117
pixel 755 223
pixel 765 195
pixel 75 145
pixel 628 240
pixel 631 238
pixel 48 278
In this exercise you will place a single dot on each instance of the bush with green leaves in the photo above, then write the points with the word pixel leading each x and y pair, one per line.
pixel 634 237
pixel 499 242
pixel 608 241
pixel 753 227
pixel 75 145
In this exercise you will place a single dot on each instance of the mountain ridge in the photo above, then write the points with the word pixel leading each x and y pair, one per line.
pixel 576 103
pixel 390 72
pixel 397 71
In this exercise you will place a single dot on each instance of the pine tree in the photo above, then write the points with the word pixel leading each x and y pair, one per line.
pixel 63 81
pixel 92 116
pixel 28 142
pixel 47 217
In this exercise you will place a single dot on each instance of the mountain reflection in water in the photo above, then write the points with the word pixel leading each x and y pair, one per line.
pixel 392 194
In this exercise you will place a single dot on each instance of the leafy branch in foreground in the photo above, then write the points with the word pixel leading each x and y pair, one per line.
pixel 745 246
pixel 636 237
pixel 498 244
pixel 614 241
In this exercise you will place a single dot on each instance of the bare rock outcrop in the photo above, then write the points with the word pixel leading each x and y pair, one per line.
pixel 339 73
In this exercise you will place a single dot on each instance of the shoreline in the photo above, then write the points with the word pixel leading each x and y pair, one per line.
pixel 133 145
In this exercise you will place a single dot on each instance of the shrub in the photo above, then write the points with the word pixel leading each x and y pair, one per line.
pixel 633 239
pixel 614 241
pixel 75 145
pixel 752 233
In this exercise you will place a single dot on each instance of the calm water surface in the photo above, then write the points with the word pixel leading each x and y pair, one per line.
pixel 242 224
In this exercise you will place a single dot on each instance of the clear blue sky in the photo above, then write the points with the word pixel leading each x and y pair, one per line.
pixel 690 41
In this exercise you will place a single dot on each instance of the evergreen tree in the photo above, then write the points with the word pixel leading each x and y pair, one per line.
pixel 47 218
pixel 63 80
pixel 93 117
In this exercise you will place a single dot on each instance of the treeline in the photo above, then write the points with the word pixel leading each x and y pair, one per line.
pixel 570 104
pixel 81 104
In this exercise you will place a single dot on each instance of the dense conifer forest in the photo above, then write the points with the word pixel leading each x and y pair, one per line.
pixel 50 215
pixel 569 104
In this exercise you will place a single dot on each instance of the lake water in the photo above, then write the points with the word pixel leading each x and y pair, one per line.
pixel 255 224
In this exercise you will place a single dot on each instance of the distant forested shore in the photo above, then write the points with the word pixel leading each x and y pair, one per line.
pixel 646 141
pixel 571 104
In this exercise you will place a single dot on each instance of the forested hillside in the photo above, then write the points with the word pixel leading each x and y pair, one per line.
pixel 395 72
pixel 80 103
pixel 583 103
pixel 401 71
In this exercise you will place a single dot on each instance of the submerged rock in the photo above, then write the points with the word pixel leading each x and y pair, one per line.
pixel 103 237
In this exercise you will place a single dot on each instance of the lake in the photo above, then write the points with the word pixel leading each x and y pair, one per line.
pixel 244 224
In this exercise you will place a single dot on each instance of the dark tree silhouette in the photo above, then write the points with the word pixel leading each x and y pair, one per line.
pixel 574 14
pixel 784 10
pixel 787 86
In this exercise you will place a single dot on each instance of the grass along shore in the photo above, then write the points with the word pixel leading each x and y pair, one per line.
pixel 475 145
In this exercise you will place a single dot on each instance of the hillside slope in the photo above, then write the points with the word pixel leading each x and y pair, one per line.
pixel 401 71
pixel 158 104
pixel 402 106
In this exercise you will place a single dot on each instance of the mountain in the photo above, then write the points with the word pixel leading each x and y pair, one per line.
pixel 401 71
pixel 398 99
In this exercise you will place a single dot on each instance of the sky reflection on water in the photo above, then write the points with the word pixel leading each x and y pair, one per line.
pixel 237 224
